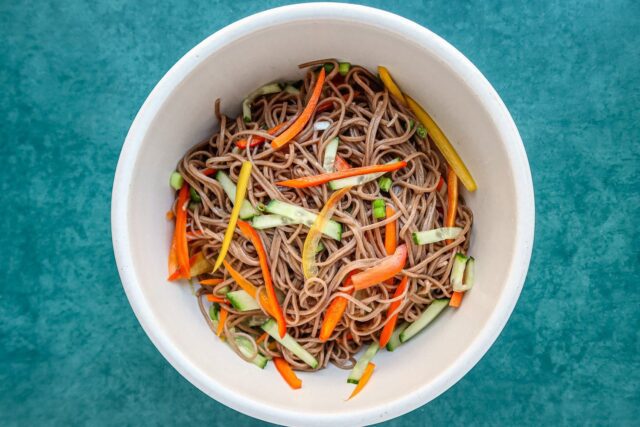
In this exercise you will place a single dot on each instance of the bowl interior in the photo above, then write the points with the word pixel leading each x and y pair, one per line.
pixel 180 114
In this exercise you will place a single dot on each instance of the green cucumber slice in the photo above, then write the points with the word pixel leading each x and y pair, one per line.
pixel 330 155
pixel 435 235
pixel 337 184
pixel 425 318
pixel 246 210
pixel 264 90
pixel 270 221
pixel 361 364
pixel 467 278
pixel 457 271
pixel 302 216
pixel 394 341
pixel 292 345
pixel 245 348
pixel 242 301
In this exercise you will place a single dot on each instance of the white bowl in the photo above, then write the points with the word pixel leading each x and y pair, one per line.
pixel 267 46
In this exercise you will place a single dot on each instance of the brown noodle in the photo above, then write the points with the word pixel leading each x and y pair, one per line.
pixel 373 129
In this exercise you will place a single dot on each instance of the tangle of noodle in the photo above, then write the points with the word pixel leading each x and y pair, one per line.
pixel 373 129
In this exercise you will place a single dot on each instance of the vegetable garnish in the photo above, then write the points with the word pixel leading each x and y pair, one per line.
pixel 450 220
pixel 387 268
pixel 309 266
pixel 215 298
pixel 311 181
pixel 379 211
pixel 176 180
pixel 261 91
pixel 388 328
pixel 334 312
pixel 241 190
pixel 343 68
pixel 287 373
pixel 363 380
pixel 358 180
pixel 385 184
pixel 361 365
pixel 427 316
pixel 248 287
pixel 390 236
pixel 391 85
pixel 182 249
pixel 257 140
pixel 211 282
pixel 173 259
pixel 208 171
pixel 443 144
pixel 456 299
pixel 341 164
pixel 249 232
pixel 262 338
pixel 435 235
pixel 330 151
pixel 223 318
pixel 295 128
pixel 290 344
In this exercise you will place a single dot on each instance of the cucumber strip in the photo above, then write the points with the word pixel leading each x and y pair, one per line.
pixel 242 301
pixel 394 341
pixel 337 184
pixel 257 320
pixel 224 290
pixel 264 90
pixel 213 312
pixel 358 369
pixel 302 216
pixel 291 89
pixel 425 318
pixel 457 271
pixel 270 221
pixel 330 155
pixel 435 235
pixel 246 210
pixel 245 348
pixel 292 345
pixel 467 278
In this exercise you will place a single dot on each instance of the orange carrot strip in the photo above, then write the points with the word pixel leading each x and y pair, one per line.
pixel 211 282
pixel 249 232
pixel 363 380
pixel 456 299
pixel 182 249
pixel 341 164
pixel 257 140
pixel 311 181
pixel 223 318
pixel 262 338
pixel 385 269
pixel 302 120
pixel 287 373
pixel 215 298
pixel 390 235
pixel 388 328
pixel 334 313
pixel 450 221
pixel 440 184
pixel 326 105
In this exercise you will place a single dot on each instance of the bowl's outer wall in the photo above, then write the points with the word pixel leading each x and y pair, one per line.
pixel 179 113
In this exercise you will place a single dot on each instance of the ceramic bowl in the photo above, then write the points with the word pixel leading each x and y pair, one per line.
pixel 268 46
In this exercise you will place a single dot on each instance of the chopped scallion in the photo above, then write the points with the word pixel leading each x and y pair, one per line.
pixel 421 131
pixel 343 68
pixel 385 183
pixel 328 67
pixel 195 197
pixel 379 209
pixel 176 180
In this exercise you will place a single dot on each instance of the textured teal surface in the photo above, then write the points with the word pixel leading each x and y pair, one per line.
pixel 74 73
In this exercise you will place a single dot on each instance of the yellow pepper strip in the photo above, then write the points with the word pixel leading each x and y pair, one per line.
pixel 309 266
pixel 241 191
pixel 448 152
pixel 391 85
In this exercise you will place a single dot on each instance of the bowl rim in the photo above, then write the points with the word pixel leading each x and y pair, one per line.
pixel 525 211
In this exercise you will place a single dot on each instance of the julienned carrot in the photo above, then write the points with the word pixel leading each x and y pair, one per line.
pixel 215 298
pixel 334 313
pixel 223 318
pixel 440 184
pixel 388 328
pixel 208 171
pixel 211 282
pixel 385 269
pixel 341 164
pixel 311 181
pixel 247 286
pixel 450 221
pixel 287 373
pixel 456 299
pixel 250 233
pixel 180 233
pixel 390 235
pixel 302 120
pixel 363 380
pixel 257 140
pixel 262 338
pixel 173 258
pixel 326 105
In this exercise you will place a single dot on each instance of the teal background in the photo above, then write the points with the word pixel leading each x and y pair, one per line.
pixel 73 74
